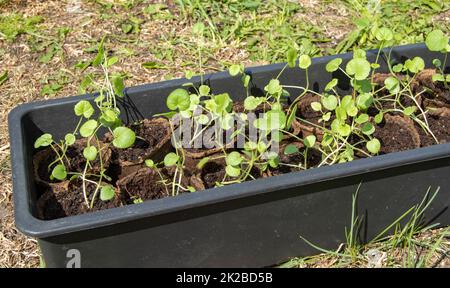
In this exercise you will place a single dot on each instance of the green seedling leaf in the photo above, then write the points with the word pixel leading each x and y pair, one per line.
pixel 178 99
pixel 118 85
pixel 124 137
pixel 438 77
pixel 291 117
pixel 291 57
pixel 107 193
pixel 204 90
pixel 290 149
pixel 331 84
pixel 251 102
pixel 326 117
pixel 333 65
pixel 358 67
pixel 409 110
pixel 342 129
pixel 202 162
pixel 43 141
pixel 83 108
pixel 234 159
pixel 364 101
pixel 202 119
pixel 351 110
pixel 232 171
pixel 437 63
pixel 359 54
pixel 373 146
pixel 379 117
pixel 59 172
pixel 415 65
pixel 171 159
pixel 304 61
pixel 384 34
pixel 149 163
pixel 235 69
pixel 90 153
pixel 329 102
pixel 397 68
pixel 246 80
pixel 316 106
pixel 368 128
pixel 362 119
pixel 392 84
pixel 436 41
pixel 309 141
pixel 88 128
pixel 69 139
pixel 273 87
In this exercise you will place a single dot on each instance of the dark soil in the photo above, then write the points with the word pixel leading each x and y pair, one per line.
pixel 397 134
pixel 67 199
pixel 144 184
pixel 134 181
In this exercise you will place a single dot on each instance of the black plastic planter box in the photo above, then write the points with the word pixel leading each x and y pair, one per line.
pixel 255 223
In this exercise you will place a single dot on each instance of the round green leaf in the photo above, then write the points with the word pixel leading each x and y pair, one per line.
pixel 43 141
pixel 358 67
pixel 84 108
pixel 59 172
pixel 234 69
pixel 409 110
pixel 309 141
pixel 384 34
pixel 69 138
pixel 251 102
pixel 232 171
pixel 124 137
pixel 171 159
pixel 150 163
pixel 329 102
pixel 234 159
pixel 333 65
pixel 373 146
pixel 415 65
pixel 178 99
pixel 198 28
pixel 204 90
pixel 107 192
pixel 368 128
pixel 291 56
pixel 362 118
pixel 90 153
pixel 304 61
pixel 392 84
pixel 88 128
pixel 379 117
pixel 363 101
pixel 290 149
pixel 331 84
pixel 436 41
pixel 316 106
pixel 273 87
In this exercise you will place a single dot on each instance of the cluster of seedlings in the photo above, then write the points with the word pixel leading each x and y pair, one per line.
pixel 89 170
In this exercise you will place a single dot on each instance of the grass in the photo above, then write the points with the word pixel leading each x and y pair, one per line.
pixel 43 43
pixel 408 242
